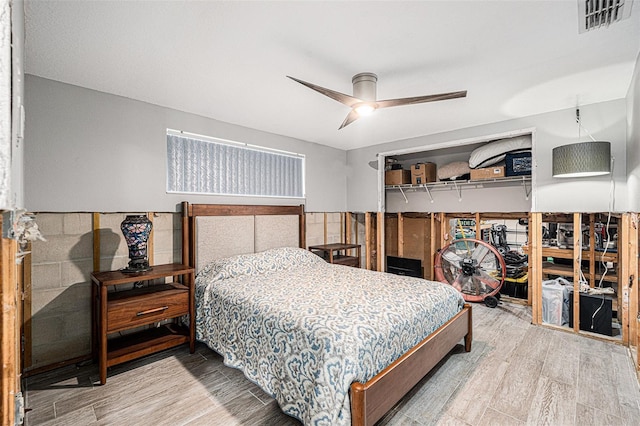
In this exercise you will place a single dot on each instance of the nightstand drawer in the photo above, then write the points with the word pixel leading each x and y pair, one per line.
pixel 145 309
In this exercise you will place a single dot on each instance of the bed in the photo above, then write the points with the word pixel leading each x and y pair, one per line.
pixel 332 344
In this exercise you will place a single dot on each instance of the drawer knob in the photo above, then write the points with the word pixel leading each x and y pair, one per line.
pixel 151 311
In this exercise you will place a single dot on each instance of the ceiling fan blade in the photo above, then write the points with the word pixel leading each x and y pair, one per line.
pixel 353 116
pixel 420 99
pixel 340 97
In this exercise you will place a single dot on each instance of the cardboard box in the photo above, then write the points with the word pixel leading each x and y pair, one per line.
pixel 487 173
pixel 397 177
pixel 423 173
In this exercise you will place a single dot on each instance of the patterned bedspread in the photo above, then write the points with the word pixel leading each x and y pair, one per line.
pixel 305 330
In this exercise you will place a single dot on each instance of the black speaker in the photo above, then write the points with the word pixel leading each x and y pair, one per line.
pixel 596 313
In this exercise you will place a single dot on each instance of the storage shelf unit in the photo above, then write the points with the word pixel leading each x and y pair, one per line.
pixel 579 259
pixel 452 184
pixel 550 268
pixel 458 185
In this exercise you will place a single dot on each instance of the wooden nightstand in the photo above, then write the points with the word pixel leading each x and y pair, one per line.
pixel 337 253
pixel 116 311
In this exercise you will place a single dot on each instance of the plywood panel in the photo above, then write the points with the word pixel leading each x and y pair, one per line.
pixel 416 232
pixel 417 242
pixel 391 235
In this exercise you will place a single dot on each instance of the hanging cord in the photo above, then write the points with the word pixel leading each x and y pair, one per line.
pixel 606 247
pixel 600 289
pixel 608 234
pixel 581 127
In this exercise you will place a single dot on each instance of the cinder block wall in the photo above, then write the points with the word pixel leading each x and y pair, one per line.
pixel 60 298
pixel 167 238
pixel 315 229
pixel 61 267
pixel 359 230
pixel 334 231
pixel 60 282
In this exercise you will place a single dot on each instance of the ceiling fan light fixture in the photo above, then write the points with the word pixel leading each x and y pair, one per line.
pixel 364 108
pixel 364 100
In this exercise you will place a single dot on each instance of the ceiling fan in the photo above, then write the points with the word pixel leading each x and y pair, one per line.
pixel 363 101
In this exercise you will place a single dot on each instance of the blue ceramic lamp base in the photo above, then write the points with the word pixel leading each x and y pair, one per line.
pixel 136 230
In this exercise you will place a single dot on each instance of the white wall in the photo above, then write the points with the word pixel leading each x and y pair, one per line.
pixel 5 105
pixel 91 151
pixel 17 103
pixel 633 140
pixel 605 121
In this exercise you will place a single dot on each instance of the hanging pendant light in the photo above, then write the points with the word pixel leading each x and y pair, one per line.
pixel 582 159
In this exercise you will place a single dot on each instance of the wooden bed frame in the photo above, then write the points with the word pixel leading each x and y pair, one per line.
pixel 370 401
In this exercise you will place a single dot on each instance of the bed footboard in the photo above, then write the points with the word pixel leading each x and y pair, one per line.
pixel 373 399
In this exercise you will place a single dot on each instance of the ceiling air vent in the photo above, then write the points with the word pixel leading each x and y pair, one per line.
pixel 595 14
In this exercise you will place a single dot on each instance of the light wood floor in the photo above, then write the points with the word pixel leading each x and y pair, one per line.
pixel 516 374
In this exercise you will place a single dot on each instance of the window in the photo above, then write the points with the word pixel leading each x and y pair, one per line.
pixel 204 165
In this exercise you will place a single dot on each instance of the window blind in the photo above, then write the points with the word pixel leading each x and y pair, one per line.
pixel 213 166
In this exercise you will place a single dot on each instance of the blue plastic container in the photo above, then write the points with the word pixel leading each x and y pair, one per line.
pixel 518 164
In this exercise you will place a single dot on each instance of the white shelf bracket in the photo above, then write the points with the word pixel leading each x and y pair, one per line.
pixel 402 192
pixel 527 191
pixel 426 188
pixel 459 189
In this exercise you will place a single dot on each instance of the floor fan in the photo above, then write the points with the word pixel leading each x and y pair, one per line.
pixel 475 268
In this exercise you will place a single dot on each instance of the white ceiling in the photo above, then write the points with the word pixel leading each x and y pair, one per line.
pixel 228 60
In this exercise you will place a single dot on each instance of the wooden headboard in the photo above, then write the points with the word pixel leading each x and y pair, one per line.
pixel 214 231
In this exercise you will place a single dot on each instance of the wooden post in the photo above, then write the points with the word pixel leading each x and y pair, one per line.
pixel 9 339
pixel 632 279
pixel 96 268
pixel 624 276
pixel 435 243
pixel 325 227
pixel 96 241
pixel 535 267
pixel 577 255
pixel 634 285
pixel 356 232
pixel 529 270
pixel 150 245
pixel 400 234
pixel 444 229
pixel 348 227
pixel 367 239
pixel 302 227
pixel 185 234
pixel 379 233
pixel 26 291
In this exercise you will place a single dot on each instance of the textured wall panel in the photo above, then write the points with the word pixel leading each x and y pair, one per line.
pixel 223 236
pixel 276 231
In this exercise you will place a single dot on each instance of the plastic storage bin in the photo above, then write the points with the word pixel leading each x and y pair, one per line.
pixel 555 302
pixel 518 164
